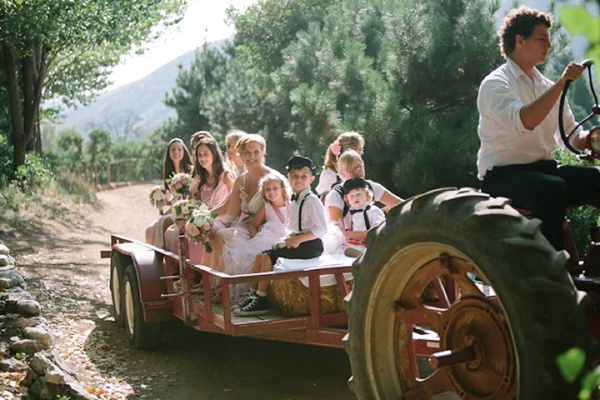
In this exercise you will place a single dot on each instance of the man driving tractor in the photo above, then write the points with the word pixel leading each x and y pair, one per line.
pixel 518 128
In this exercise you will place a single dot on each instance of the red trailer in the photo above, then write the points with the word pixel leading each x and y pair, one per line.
pixel 144 296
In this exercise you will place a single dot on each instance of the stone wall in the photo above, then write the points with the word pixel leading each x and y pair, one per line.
pixel 27 345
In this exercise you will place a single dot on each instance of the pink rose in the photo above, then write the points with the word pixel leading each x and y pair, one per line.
pixel 336 148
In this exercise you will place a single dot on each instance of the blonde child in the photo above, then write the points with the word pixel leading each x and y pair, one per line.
pixel 307 225
pixel 365 215
pixel 269 224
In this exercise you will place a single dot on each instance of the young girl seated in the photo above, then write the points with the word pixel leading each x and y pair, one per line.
pixel 269 224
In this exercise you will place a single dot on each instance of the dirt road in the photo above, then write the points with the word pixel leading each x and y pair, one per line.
pixel 62 265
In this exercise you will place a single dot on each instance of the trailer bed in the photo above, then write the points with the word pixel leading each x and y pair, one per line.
pixel 157 270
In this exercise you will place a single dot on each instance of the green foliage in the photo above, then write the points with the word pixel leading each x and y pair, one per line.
pixel 579 21
pixel 571 365
pixel 266 28
pixel 6 171
pixel 35 174
pixel 192 86
pixel 580 218
pixel 66 49
pixel 404 74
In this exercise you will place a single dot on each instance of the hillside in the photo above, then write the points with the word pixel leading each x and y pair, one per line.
pixel 134 110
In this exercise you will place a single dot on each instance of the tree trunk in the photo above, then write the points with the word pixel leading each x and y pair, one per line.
pixel 24 110
pixel 16 115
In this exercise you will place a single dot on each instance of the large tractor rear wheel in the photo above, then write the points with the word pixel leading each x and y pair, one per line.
pixel 470 271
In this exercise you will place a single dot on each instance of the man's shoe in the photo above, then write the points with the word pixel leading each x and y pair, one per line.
pixel 258 306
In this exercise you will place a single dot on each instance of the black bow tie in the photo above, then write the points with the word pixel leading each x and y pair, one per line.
pixel 357 210
pixel 294 197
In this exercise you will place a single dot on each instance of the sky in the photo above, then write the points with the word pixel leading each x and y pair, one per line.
pixel 203 21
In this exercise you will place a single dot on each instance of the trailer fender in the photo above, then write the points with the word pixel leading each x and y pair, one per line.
pixel 149 268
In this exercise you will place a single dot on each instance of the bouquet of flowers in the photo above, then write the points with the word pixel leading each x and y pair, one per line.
pixel 180 185
pixel 159 197
pixel 182 210
pixel 199 225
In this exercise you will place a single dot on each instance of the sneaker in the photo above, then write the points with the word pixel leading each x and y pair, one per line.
pixel 258 306
pixel 245 300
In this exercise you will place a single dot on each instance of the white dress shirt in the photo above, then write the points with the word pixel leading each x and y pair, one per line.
pixel 313 214
pixel 374 214
pixel 504 139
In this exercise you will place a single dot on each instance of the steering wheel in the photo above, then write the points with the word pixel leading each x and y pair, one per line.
pixel 592 145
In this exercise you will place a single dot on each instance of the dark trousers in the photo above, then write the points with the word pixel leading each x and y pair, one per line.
pixel 310 249
pixel 546 189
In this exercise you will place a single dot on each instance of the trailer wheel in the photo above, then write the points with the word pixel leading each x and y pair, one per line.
pixel 141 334
pixel 502 304
pixel 116 291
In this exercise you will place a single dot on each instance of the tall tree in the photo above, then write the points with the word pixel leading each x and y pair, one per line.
pixel 405 74
pixel 65 49
pixel 191 87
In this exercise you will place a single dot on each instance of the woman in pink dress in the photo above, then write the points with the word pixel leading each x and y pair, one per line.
pixel 212 185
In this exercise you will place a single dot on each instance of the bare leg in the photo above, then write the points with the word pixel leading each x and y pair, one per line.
pixel 265 266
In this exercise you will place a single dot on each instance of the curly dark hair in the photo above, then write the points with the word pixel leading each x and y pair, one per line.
pixel 520 21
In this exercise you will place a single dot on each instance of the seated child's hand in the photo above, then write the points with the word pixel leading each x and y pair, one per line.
pixel 293 242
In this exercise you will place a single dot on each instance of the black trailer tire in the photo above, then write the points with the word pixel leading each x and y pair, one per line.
pixel 140 334
pixel 536 315
pixel 116 292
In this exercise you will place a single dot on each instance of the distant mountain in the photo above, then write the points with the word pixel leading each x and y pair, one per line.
pixel 134 110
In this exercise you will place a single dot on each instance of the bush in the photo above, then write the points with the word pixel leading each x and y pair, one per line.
pixel 580 218
pixel 6 156
pixel 35 174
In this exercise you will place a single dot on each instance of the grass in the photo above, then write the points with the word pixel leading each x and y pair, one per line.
pixel 53 199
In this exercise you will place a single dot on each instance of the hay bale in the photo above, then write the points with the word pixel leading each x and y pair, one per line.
pixel 292 298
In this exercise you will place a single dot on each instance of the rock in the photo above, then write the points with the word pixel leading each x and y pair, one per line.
pixel 11 278
pixel 4 350
pixel 4 250
pixel 26 346
pixel 12 365
pixel 40 364
pixel 41 335
pixel 31 377
pixel 29 308
pixel 6 260
pixel 47 376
